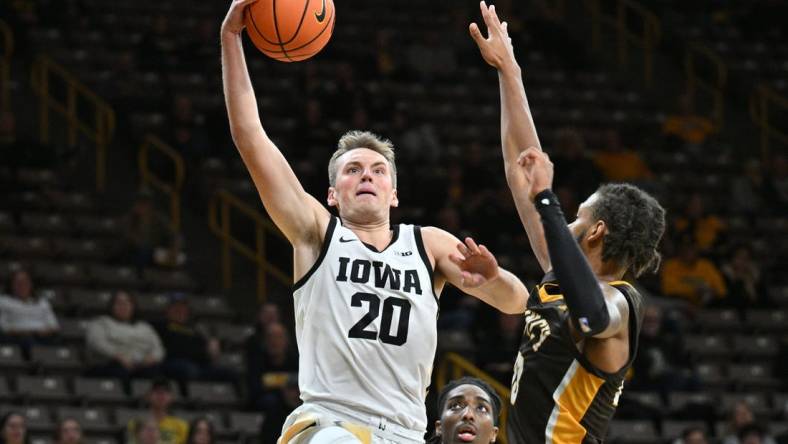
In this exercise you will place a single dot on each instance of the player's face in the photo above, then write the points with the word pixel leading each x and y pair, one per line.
pixel 364 190
pixel 584 221
pixel 467 417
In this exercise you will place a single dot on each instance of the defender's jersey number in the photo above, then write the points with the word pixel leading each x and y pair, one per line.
pixel 372 301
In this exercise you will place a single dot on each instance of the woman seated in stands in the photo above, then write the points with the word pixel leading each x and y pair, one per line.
pixel 24 318
pixel 121 346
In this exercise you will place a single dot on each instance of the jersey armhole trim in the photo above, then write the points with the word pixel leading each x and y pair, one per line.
pixel 633 333
pixel 426 259
pixel 323 250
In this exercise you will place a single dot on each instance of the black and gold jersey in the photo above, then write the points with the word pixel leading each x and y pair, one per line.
pixel 558 396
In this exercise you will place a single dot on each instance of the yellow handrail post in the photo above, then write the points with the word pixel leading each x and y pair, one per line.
pixel 103 126
pixel 149 179
pixel 256 253
pixel 714 87
pixel 761 100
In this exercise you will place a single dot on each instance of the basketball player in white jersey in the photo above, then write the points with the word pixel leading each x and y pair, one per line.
pixel 366 292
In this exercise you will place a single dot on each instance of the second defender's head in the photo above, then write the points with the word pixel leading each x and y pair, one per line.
pixel 624 223
pixel 468 409
pixel 363 177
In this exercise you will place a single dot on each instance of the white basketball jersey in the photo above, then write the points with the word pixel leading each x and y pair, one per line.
pixel 366 325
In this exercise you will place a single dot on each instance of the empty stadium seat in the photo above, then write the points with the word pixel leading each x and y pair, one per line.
pixel 100 391
pixel 635 432
pixel 43 388
pixel 92 420
pixel 56 358
pixel 11 359
pixel 213 394
pixel 672 429
pixel 246 423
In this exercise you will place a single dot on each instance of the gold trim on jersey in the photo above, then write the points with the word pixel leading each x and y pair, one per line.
pixel 545 297
pixel 572 399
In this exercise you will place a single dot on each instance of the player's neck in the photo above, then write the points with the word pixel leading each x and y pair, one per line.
pixel 605 271
pixel 377 234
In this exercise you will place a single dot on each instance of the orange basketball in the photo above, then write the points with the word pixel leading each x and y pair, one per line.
pixel 290 30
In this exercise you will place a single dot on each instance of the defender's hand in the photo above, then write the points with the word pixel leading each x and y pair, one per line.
pixel 497 48
pixel 538 170
pixel 234 20
pixel 477 264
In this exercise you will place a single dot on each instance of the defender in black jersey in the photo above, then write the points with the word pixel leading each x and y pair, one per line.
pixel 583 320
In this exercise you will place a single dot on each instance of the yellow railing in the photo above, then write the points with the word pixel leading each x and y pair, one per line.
pixel 5 65
pixel 454 366
pixel 645 35
pixel 715 87
pixel 148 178
pixel 44 76
pixel 762 101
pixel 220 221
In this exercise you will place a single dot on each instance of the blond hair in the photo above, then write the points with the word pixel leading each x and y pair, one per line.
pixel 362 139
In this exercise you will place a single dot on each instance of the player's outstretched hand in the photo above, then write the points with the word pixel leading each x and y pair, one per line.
pixel 477 265
pixel 538 170
pixel 234 20
pixel 497 48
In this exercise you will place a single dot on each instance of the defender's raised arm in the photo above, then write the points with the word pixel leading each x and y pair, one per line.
pixel 300 216
pixel 517 126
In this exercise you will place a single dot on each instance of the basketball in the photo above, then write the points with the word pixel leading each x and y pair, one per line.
pixel 290 30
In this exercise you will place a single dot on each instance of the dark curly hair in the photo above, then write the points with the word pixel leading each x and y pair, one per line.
pixel 635 223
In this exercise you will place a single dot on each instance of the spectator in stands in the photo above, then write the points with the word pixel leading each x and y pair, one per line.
pixel 743 279
pixel 269 361
pixel 148 235
pixel 13 429
pixel 188 135
pixel 571 155
pixel 190 353
pixel 693 435
pixel 121 346
pixel 742 427
pixel 749 190
pixel 24 318
pixel 172 430
pixel 68 432
pixel 692 277
pixel 201 431
pixel 703 228
pixel 144 431
pixel 662 363
pixel 619 164
pixel 276 413
pixel 686 125
pixel 428 60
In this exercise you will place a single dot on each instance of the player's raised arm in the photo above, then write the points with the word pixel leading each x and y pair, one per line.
pixel 474 270
pixel 517 125
pixel 300 216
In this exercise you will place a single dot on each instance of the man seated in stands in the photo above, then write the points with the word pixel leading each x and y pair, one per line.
pixel 172 430
pixel 190 353
pixel 269 360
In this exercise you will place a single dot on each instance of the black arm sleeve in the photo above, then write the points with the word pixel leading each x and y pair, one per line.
pixel 582 294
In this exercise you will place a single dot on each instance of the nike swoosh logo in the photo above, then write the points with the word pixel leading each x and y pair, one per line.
pixel 343 240
pixel 322 15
